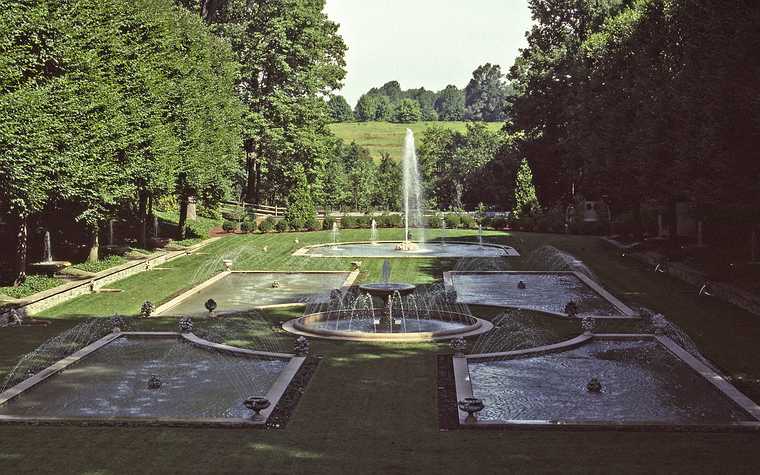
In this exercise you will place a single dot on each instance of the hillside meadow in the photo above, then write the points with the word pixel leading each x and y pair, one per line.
pixel 388 137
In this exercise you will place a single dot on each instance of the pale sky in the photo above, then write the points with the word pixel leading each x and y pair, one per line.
pixel 426 43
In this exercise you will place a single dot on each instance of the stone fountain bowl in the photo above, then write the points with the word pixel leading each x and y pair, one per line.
pixel 257 404
pixel 48 268
pixel 442 325
pixel 385 289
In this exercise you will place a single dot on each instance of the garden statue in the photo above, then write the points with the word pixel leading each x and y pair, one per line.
pixel 185 325
pixel 587 324
pixel 147 309
pixel 458 345
pixel 302 346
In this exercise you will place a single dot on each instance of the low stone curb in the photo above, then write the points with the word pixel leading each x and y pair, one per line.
pixel 51 297
pixel 726 292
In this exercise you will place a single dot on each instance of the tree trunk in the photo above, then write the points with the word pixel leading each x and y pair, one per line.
pixel 142 232
pixel 256 195
pixel 94 246
pixel 209 9
pixel 251 165
pixel 183 203
pixel 673 212
pixel 638 226
pixel 21 250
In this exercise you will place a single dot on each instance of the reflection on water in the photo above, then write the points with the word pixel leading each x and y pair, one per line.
pixel 545 292
pixel 243 291
pixel 113 382
pixel 641 381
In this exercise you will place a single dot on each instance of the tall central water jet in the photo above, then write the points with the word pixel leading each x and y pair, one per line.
pixel 412 189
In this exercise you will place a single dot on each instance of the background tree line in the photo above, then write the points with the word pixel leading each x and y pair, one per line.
pixel 483 99
pixel 108 107
pixel 645 102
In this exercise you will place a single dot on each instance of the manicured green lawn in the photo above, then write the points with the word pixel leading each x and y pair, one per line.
pixel 387 137
pixel 371 408
pixel 247 253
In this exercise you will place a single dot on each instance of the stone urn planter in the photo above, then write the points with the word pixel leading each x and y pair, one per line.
pixel 257 404
pixel 471 405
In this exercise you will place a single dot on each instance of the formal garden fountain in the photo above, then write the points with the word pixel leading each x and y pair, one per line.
pixel 391 311
pixel 48 265
pixel 104 371
pixel 414 243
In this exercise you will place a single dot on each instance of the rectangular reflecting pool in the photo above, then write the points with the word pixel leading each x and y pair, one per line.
pixel 544 291
pixel 239 291
pixel 641 381
pixel 113 381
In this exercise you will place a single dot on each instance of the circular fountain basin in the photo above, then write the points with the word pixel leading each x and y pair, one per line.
pixel 387 249
pixel 48 267
pixel 339 326
pixel 385 289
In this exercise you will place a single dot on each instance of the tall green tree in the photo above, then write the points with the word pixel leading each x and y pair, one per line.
pixel 486 94
pixel 300 204
pixel 340 111
pixel 366 108
pixel 389 178
pixel 407 111
pixel 526 201
pixel 291 56
pixel 450 104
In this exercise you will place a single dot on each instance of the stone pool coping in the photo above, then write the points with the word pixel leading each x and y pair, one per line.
pixel 626 311
pixel 463 388
pixel 274 394
pixel 161 310
pixel 40 301
pixel 304 251
pixel 296 327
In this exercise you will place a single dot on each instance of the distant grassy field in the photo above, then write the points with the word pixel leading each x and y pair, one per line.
pixel 381 137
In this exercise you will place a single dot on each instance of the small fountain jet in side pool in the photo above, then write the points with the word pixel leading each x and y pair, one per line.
pixel 373 232
pixel 480 235
pixel 335 233
pixel 594 386
pixel 552 259
pixel 443 231
pixel 47 265
pixel 154 382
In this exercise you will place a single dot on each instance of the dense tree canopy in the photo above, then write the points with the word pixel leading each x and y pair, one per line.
pixel 450 104
pixel 339 109
pixel 484 99
pixel 458 167
pixel 486 94
pixel 291 56
pixel 643 101
pixel 111 104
